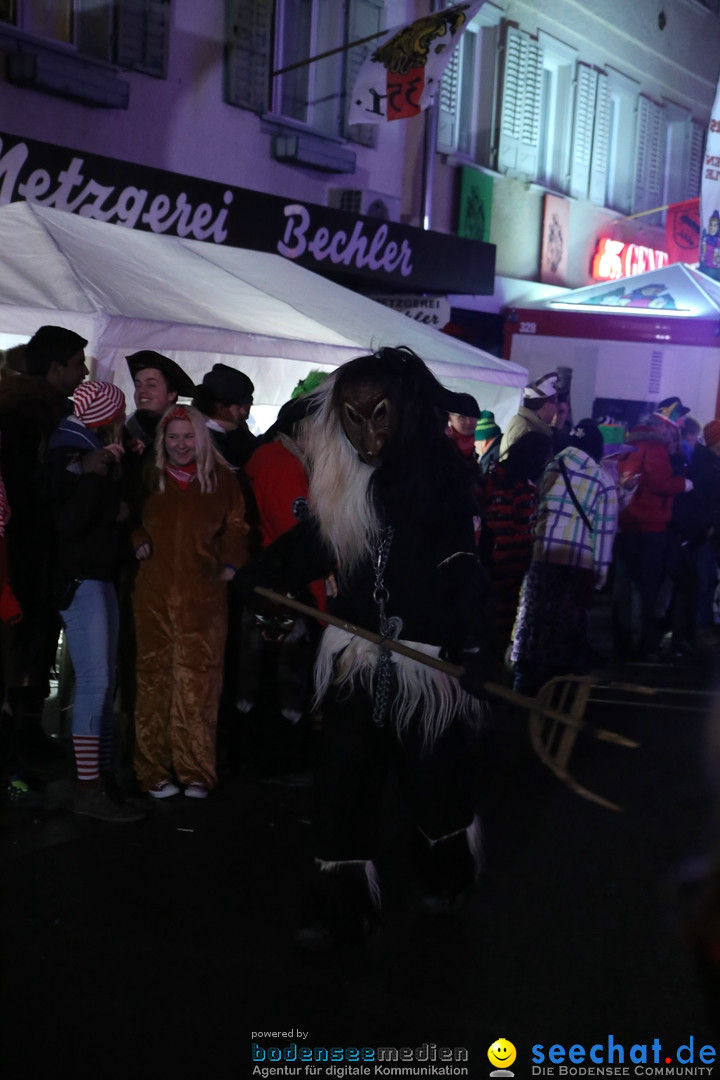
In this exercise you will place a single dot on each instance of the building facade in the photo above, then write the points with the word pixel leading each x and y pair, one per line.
pixel 557 123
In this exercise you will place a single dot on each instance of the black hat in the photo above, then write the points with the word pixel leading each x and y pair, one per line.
pixel 51 343
pixel 463 405
pixel 175 377
pixel 587 436
pixel 228 385
pixel 672 409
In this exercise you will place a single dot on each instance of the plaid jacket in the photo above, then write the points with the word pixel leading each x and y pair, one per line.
pixel 561 535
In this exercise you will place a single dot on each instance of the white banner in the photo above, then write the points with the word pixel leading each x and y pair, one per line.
pixel 710 197
pixel 403 72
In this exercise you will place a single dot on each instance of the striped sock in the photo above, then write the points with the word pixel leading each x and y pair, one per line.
pixel 87 757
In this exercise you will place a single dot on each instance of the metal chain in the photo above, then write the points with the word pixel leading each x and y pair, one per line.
pixel 389 628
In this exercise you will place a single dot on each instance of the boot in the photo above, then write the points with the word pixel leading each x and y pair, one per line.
pixel 93 800
pixel 344 906
pixel 448 870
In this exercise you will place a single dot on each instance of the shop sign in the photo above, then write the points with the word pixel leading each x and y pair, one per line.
pixel 428 310
pixel 615 259
pixel 349 247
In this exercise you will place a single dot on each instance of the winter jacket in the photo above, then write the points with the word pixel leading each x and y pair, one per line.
pixel 650 508
pixel 523 422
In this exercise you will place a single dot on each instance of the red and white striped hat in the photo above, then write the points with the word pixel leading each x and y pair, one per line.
pixel 98 403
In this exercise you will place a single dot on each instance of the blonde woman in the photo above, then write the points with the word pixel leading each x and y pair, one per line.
pixel 191 538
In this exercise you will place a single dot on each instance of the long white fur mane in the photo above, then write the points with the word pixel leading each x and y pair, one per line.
pixel 339 485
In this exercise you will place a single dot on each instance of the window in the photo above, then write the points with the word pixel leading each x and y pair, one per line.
pixel 130 33
pixel 684 140
pixel 649 158
pixel 313 95
pixel 467 94
pixel 558 84
pixel 617 127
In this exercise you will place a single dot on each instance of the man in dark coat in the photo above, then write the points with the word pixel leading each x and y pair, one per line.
pixel 225 397
pixel 31 406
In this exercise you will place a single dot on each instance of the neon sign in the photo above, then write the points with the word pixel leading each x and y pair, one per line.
pixel 615 259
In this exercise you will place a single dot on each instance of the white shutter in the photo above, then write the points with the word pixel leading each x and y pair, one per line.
pixel 600 142
pixel 519 141
pixel 649 155
pixel 143 27
pixel 248 61
pixel 695 159
pixel 582 145
pixel 448 101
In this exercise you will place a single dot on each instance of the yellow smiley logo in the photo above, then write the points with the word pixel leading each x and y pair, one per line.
pixel 502 1053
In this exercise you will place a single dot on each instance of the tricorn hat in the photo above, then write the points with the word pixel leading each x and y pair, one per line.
pixel 176 378
pixel 228 385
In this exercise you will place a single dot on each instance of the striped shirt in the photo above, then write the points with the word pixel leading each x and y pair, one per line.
pixel 561 535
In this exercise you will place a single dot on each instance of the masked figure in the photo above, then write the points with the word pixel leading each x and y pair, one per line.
pixel 392 516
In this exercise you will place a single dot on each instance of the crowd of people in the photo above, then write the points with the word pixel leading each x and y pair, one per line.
pixel 379 499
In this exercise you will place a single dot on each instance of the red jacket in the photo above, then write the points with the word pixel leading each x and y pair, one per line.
pixel 650 507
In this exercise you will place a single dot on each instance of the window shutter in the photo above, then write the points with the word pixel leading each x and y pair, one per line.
pixel 600 142
pixel 649 155
pixel 249 40
pixel 365 18
pixel 448 101
pixel 695 159
pixel 143 27
pixel 519 141
pixel 582 146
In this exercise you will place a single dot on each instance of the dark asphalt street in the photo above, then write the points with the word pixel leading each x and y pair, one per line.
pixel 165 947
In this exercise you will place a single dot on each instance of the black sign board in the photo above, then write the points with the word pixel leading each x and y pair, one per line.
pixel 349 248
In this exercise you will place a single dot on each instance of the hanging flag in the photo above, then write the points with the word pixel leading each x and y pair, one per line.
pixel 682 231
pixel 710 197
pixel 404 71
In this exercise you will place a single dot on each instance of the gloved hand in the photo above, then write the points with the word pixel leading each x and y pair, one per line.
pixel 477 662
pixel 689 485
pixel 10 610
pixel 242 585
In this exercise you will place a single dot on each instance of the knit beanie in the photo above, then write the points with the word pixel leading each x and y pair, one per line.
pixel 98 403
pixel 486 428
pixel 711 433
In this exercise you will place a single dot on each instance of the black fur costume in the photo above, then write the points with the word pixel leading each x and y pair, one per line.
pixel 426 729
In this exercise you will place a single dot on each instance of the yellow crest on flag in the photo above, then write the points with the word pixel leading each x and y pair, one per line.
pixel 410 47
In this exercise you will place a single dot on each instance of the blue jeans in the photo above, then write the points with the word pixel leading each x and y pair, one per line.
pixel 91 629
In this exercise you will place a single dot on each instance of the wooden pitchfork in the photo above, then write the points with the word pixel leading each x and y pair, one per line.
pixel 557 712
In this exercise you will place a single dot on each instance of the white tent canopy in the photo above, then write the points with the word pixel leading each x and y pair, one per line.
pixel 200 304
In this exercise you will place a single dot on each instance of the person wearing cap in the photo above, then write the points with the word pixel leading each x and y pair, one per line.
pixel 461 424
pixel 572 552
pixel 536 413
pixel 158 383
pixel 31 405
pixel 642 540
pixel 84 453
pixel 225 397
pixel 488 437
